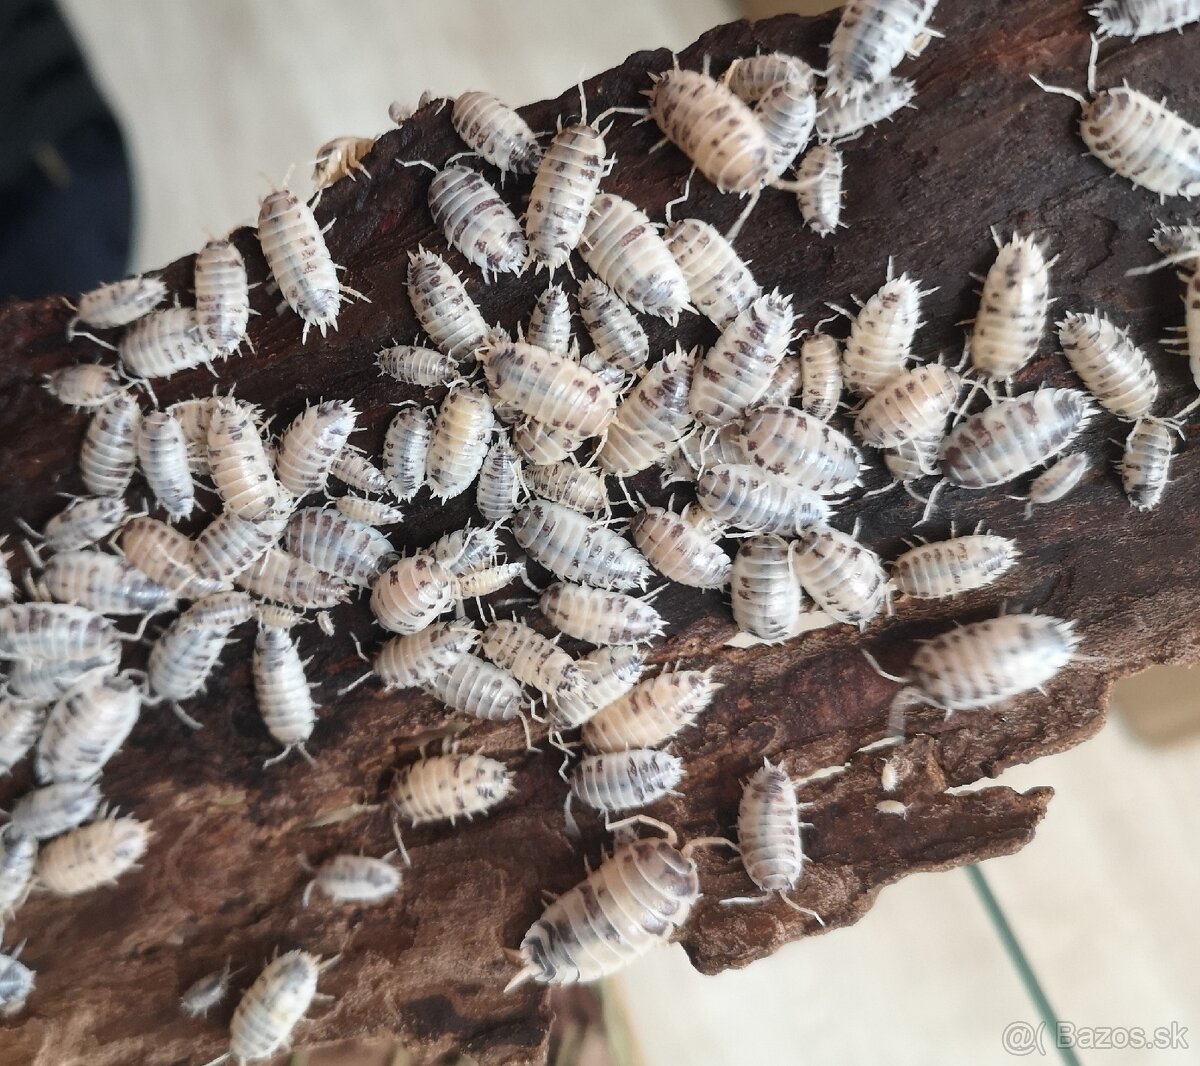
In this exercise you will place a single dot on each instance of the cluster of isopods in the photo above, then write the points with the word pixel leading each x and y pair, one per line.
pixel 537 431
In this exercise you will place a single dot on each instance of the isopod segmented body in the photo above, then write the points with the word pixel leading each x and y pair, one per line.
pixel 1012 309
pixel 167 557
pixel 354 469
pixel 495 132
pixel 738 369
pixel 798 446
pixel 163 454
pixel 574 547
pixel 568 483
pixel 1171 241
pixel 1012 436
pixel 164 343
pixel 598 616
pixel 311 443
pixel 1146 462
pixel 1114 369
pixel 340 158
pixel 108 457
pixel 221 609
pixel 651 712
pixel 18 855
pixel 912 406
pixel 768 602
pixel 652 417
pixel 550 321
pixel 476 221
pixel 105 583
pixel 719 282
pixel 678 551
pixel 120 302
pixel 624 249
pixel 222 296
pixel 185 654
pixel 16 983
pixel 443 307
pixel 479 583
pixel 845 578
pixel 751 499
pixel 881 335
pixel 280 576
pixel 769 831
pixel 230 544
pixel 82 522
pixel 204 994
pixel 752 77
pixel 785 382
pixel 92 855
pixel 20 723
pixel 45 680
pixel 951 567
pixel 369 512
pixel 540 444
pixel 500 481
pixel 86 728
pixel 338 545
pixel 410 594
pixel 459 442
pixel 406 450
pixel 787 113
pixel 548 388
pixel 417 366
pixel 615 781
pixel 272 1007
pixel 566 184
pixel 618 337
pixel 1056 481
pixel 354 879
pixel 872 38
pixel 47 811
pixel 842 117
pixel 281 690
pixel 476 687
pixel 416 658
pixel 300 262
pixel 447 787
pixel 610 672
pixel 53 631
pixel 531 658
pixel 241 468
pixel 463 551
pixel 84 384
pixel 819 189
pixel 1138 18
pixel 821 375
pixel 631 903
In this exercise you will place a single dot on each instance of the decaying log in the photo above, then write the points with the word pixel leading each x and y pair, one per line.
pixel 984 147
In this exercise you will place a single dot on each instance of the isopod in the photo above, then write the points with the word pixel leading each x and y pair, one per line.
pixel 598 616
pixel 416 658
pixel 800 447
pixel 417 366
pixel 169 558
pixel 16 983
pixel 53 809
pixel 911 460
pixel 1012 309
pixel 45 680
pixel 768 602
pixel 752 77
pixel 550 389
pixel 53 631
pixel 785 383
pixel 354 879
pixel 564 188
pixel 281 690
pixel 872 38
pixel 443 306
pixel 91 856
pixel 184 656
pixel 550 321
pixel 369 512
pixel 309 446
pixel 652 418
pixel 477 221
pixel 229 544
pixel 821 375
pixel 841 118
pixel 406 450
pixel 540 444
pixel 787 113
pixel 751 499
pixel 282 577
pixel 819 190
pixel 86 728
pixel 1058 480
pixel 912 406
pixel 1171 241
pixel 272 1007
pixel 84 384
pixel 340 158
pixel 163 344
pixel 531 658
pixel 720 284
pixel 478 688
pixel 353 469
pixel 202 995
pixel 1146 463
pixel 617 336
pixel 479 583
pixel 119 302
pixel 463 551
pixel 567 483
pixel 951 567
pixel 410 594
pixel 881 335
pixel 495 132
pixel 461 435
pixel 84 521
pixel 222 296
pixel 616 781
pixel 574 547
pixel 1114 369
pixel 610 672
pixel 241 468
pixel 845 578
pixel 651 712
pixel 106 583
pixel 1138 18
pixel 18 855
pixel 163 454
pixel 295 250
pixel 338 545
pixel 108 457
pixel 20 723
pixel 500 481
pixel 447 787
pixel 678 551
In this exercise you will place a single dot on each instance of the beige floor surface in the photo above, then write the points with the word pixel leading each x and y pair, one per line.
pixel 217 93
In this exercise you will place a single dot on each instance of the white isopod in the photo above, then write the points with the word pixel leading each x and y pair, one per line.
pixel 417 366
pixel 223 609
pixel 1114 369
pixel 652 418
pixel 479 583
pixel 183 658
pixel 340 158
pixel 53 631
pixel 881 334
pixel 1138 18
pixel 652 711
pixel 787 113
pixel 574 547
pixel 443 306
pixel 566 184
pixel 447 787
pixel 1171 241
pixel 954 566
pixel 338 545
pixel 872 38
pixel 354 469
pixel 164 343
pixel 568 483
pixel 207 992
pixel 841 117
pixel 16 982
pixel 540 444
pixel 752 77
pixel 477 221
pixel 86 728
pixel 410 594
pixel 406 450
pixel 416 658
pixel 459 442
pixel 295 250
pixel 624 249
pixel 768 601
pixel 615 781
pixel 18 856
pixel 309 446
pixel 610 673
pixel 281 689
pixel 91 856
pixel 45 680
pixel 354 879
pixel 241 468
pixel 719 282
pixel 478 688
pixel 678 551
pixel 737 370
pixel 84 521
pixel 169 558
pixel 282 577
pixel 369 512
pixel 53 809
pixel 598 616
pixel 800 447
pixel 912 406
pixel 20 723
pixel 108 457
pixel 531 658
pixel 821 375
pixel 845 578
pixel 500 481
pixel 548 388
pixel 222 296
pixel 495 132
pixel 106 583
pixel 819 190
pixel 785 382
pixel 229 544
pixel 1012 309
pixel 751 499
pixel 1137 137
pixel 1058 480
pixel 1146 462
pixel 163 454
pixel 84 384
pixel 550 321
pixel 463 551
pixel 617 336
pixel 119 302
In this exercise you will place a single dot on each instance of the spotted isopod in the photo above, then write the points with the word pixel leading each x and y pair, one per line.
pixel 295 250
pixel 241 468
pixel 652 417
pixel 531 658
pixel 20 723
pixel 84 384
pixel 1171 241
pixel 45 680
pixel 564 188
pixel 787 113
pixel 53 631
pixel 354 879
pixel 872 38
pixel 618 337
pixel 338 545
pixel 84 521
pixel 340 158
pixel 86 728
pixel 550 389
pixel 751 499
pixel 230 544
pixel 477 221
pixel 912 406
pixel 478 688
pixel 184 656
pixel 651 712
pixel 106 583
pixel 222 296
pixel 785 383
pixel 355 470
pixel 207 992
pixel 417 366
pixel 624 249
pixel 1146 463
pixel 53 809
pixel 119 302
pixel 768 602
pixel 1012 309
pixel 311 443
pixel 841 117
pixel 616 781
pixel 443 306
pixel 678 551
pixel 795 445
pixel 951 567
pixel 821 375
pixel 634 901
pixel 463 551
pixel 459 442
pixel 1136 136
pixel 819 190
pixel 406 450
pixel 738 369
pixel 1138 18
pixel 574 547
pixel 540 444
pixel 416 658
pixel 1058 480
pixel 719 282
pixel 281 690
pixel 500 481
pixel 410 594
pixel 495 132
pixel 168 558
pixel 881 335
pixel 752 77
pixel 91 856
pixel 18 856
pixel 845 578
pixel 447 787
pixel 1114 369
pixel 163 454
pixel 369 512
pixel 550 321
pixel 16 983
pixel 282 577
pixel 163 344
pixel 479 583
pixel 598 616
pixel 567 483
pixel 610 672
pixel 108 457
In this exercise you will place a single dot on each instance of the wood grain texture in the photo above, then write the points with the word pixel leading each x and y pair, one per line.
pixel 221 879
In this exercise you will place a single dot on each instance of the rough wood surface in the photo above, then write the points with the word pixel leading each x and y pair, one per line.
pixel 984 148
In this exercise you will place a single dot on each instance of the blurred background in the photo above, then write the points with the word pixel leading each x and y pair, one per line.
pixel 217 98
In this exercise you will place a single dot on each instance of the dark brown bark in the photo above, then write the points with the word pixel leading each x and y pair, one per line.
pixel 984 147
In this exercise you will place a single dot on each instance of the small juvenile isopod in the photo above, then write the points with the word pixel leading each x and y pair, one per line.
pixel 354 469
pixel 338 545
pixel 222 296
pixel 443 307
pixel 280 576
pixel 406 450
pixel 550 321
pixel 500 481
pixel 787 113
pixel 652 417
pixel 281 690
pixel 819 189
pixel 785 382
pixel 459 442
pixel 1146 462
pixel 531 658
pixel 618 337
pixel 86 728
pixel 821 375
pixel 598 616
pixel 768 602
pixel 950 567
pixel 20 723
pixel 574 547
pixel 204 994
pixel 800 447
pixel 185 654
pixel 1138 18
pixel 1058 480
pixel 912 406
pixel 548 388
pixel 241 468
pixel 1114 369
pixel 651 712
pixel 463 551
pixel 417 366
pixel 1012 309
pixel 354 879
pixel 53 809
pixel 1171 241
pixel 340 158
pixel 410 594
pixel 615 781
pixel 84 384
pixel 479 583
pixel 447 787
pixel 751 499
pixel 477 221
pixel 495 132
pixel 845 578
pixel 841 117
pixel 108 457
pixel 872 38
pixel 53 631
pixel 91 856
pixel 678 551
pixel 164 343
pixel 311 443
pixel 719 282
pixel 369 512
pixel 163 454
pixel 881 334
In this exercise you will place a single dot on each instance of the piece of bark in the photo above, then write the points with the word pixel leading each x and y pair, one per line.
pixel 984 147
